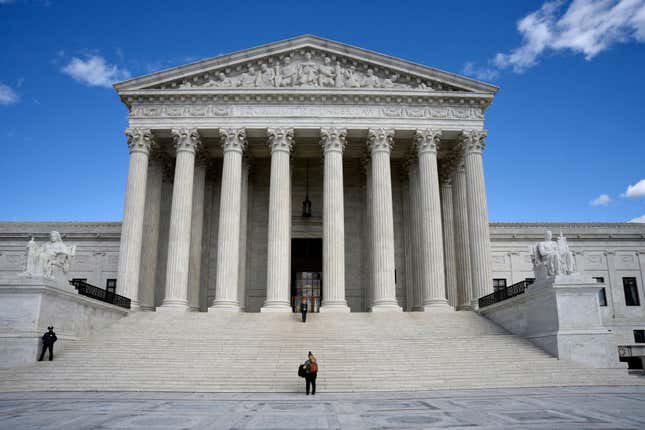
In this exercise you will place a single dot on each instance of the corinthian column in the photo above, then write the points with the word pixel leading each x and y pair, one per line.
pixel 434 283
pixel 139 141
pixel 197 232
pixel 244 208
pixel 228 236
pixel 478 228
pixel 379 144
pixel 278 285
pixel 176 295
pixel 333 143
pixel 448 241
pixel 150 250
pixel 415 198
pixel 462 241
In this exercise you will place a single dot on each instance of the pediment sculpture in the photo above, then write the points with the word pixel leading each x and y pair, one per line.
pixel 51 260
pixel 305 69
pixel 552 258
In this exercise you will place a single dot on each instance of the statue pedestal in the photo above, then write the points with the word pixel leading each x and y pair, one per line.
pixel 561 315
pixel 28 305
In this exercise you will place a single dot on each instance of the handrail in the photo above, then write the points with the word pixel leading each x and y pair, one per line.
pixel 100 294
pixel 505 293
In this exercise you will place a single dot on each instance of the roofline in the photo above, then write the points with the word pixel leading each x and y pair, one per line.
pixel 300 41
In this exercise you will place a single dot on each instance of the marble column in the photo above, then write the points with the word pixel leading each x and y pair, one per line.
pixel 367 228
pixel 448 241
pixel 187 142
pixel 228 236
pixel 140 141
pixel 197 232
pixel 434 281
pixel 278 259
pixel 150 246
pixel 462 240
pixel 478 228
pixel 333 143
pixel 415 197
pixel 244 205
pixel 379 143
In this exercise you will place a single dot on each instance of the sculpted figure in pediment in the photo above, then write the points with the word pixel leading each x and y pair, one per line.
pixel 371 80
pixel 265 77
pixel 247 79
pixel 327 77
pixel 308 71
pixel 287 75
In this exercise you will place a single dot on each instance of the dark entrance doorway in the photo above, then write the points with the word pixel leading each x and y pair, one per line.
pixel 306 273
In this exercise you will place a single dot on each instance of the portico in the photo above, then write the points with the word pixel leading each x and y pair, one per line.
pixel 393 157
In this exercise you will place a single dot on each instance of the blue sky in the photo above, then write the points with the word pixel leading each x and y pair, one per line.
pixel 565 129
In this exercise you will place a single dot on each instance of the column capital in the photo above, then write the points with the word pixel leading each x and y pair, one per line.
pixel 380 140
pixel 427 140
pixel 333 139
pixel 139 139
pixel 186 139
pixel 233 139
pixel 472 141
pixel 280 139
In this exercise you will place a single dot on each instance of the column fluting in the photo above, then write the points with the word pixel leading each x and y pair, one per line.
pixel 415 197
pixel 462 239
pixel 478 227
pixel 434 284
pixel 244 204
pixel 150 244
pixel 140 140
pixel 197 232
pixel 280 141
pixel 448 241
pixel 379 144
pixel 333 144
pixel 228 236
pixel 187 142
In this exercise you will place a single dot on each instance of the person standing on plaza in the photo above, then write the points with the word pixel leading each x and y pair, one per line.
pixel 303 310
pixel 49 338
pixel 311 368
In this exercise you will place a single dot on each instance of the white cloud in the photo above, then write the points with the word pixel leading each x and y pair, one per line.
pixel 483 73
pixel 94 71
pixel 7 95
pixel 601 200
pixel 585 27
pixel 639 219
pixel 636 190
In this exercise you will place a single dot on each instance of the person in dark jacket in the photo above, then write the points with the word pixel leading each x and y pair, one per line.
pixel 311 369
pixel 48 343
pixel 303 310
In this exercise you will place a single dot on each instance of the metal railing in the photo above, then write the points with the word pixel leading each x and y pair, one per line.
pixel 505 293
pixel 97 293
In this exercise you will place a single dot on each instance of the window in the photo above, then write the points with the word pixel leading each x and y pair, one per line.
pixel 529 280
pixel 602 297
pixel 499 284
pixel 631 292
pixel 599 279
pixel 639 336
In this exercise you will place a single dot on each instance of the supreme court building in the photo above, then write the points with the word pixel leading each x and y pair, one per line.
pixel 305 170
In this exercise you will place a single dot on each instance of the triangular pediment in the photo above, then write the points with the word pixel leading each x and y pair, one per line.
pixel 305 62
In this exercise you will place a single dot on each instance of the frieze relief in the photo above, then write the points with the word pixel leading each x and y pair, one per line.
pixel 305 69
pixel 212 110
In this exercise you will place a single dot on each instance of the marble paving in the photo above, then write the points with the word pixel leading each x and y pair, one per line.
pixel 539 408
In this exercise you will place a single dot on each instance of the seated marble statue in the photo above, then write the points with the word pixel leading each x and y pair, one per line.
pixel 51 260
pixel 551 258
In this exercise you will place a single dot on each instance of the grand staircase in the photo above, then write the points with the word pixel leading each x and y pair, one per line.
pixel 251 352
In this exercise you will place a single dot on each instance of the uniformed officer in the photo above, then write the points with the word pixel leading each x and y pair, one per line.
pixel 48 343
pixel 303 310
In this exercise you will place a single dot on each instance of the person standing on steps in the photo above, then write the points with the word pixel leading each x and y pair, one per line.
pixel 48 343
pixel 303 310
pixel 311 369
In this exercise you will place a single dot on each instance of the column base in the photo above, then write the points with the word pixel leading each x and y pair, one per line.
pixel 340 306
pixel 417 309
pixel 276 307
pixel 388 306
pixel 146 308
pixel 437 306
pixel 174 306
pixel 194 309
pixel 224 306
pixel 464 308
pixel 134 306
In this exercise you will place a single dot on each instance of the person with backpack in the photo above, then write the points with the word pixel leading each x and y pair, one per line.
pixel 311 372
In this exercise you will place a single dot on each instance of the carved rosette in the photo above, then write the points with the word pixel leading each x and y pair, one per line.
pixel 333 139
pixel 186 139
pixel 427 140
pixel 140 140
pixel 233 139
pixel 380 140
pixel 473 140
pixel 280 139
